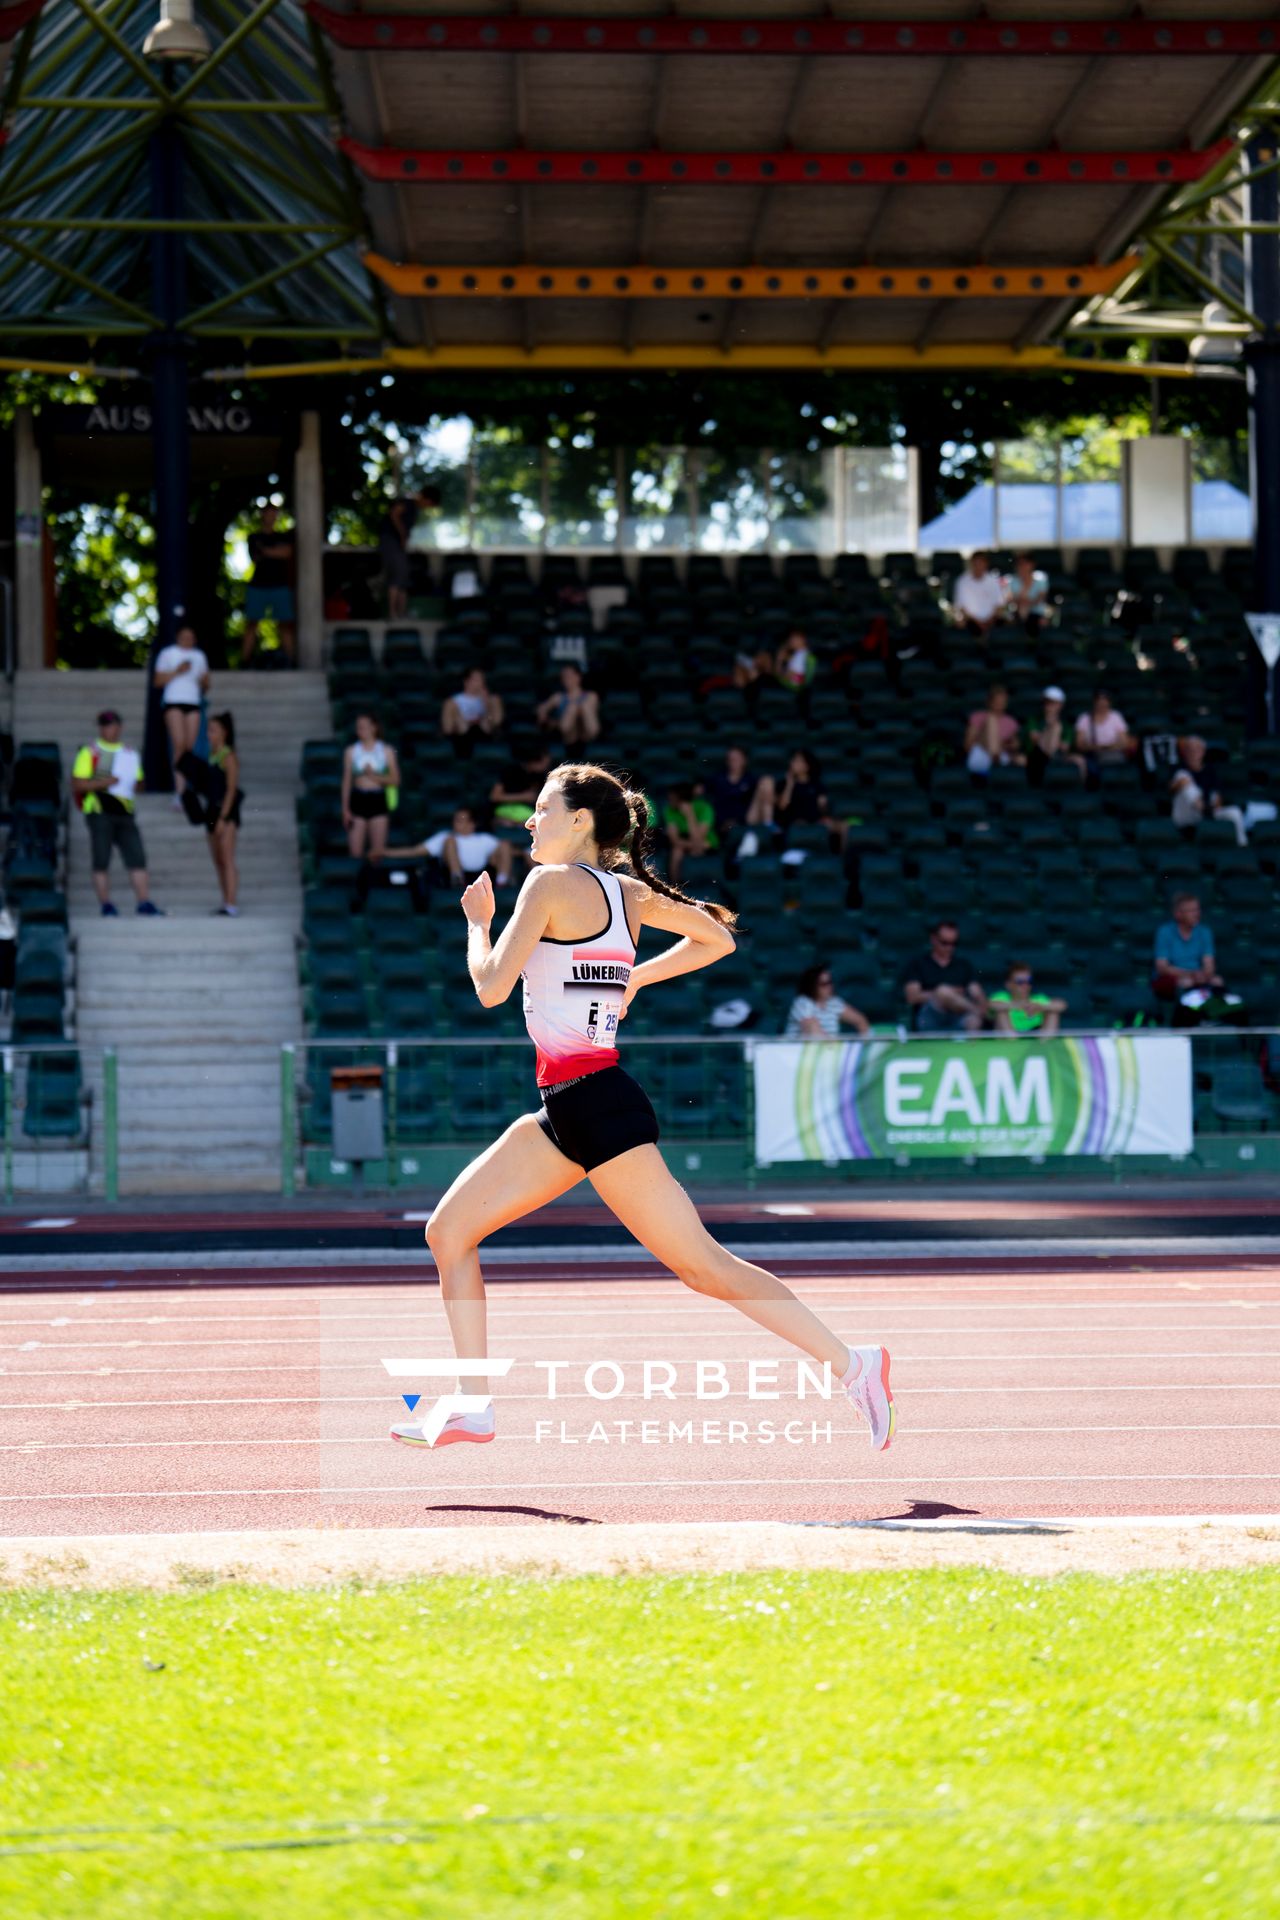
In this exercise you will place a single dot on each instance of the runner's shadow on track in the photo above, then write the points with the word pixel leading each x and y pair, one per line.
pixel 528 1513
pixel 934 1510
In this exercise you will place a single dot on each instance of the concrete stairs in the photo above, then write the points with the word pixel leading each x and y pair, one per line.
pixel 196 1005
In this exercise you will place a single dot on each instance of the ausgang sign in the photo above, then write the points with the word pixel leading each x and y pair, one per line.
pixel 129 417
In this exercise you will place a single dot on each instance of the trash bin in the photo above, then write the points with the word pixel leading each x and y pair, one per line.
pixel 358 1131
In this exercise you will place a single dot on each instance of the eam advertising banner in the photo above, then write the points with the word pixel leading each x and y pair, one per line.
pixel 933 1099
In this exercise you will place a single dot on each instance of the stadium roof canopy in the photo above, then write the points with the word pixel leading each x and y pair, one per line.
pixel 614 182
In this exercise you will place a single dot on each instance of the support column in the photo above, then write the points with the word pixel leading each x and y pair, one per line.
pixel 308 514
pixel 171 429
pixel 1262 357
pixel 28 551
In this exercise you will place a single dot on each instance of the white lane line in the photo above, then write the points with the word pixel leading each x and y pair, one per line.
pixel 668 1336
pixel 665 1286
pixel 626 1487
pixel 320 1323
pixel 380 1439
pixel 378 1399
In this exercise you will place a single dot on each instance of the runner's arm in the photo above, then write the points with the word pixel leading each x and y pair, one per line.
pixel 703 940
pixel 494 970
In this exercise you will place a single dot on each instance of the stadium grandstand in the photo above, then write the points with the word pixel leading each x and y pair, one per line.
pixel 207 209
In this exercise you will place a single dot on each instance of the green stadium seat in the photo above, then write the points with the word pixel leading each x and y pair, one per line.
pixel 1238 1096
pixel 37 1014
pixel 53 1109
pixel 339 1012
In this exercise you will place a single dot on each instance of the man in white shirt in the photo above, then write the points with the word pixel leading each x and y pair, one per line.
pixel 979 596
pixel 182 673
pixel 462 850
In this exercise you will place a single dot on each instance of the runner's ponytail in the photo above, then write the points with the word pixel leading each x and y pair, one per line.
pixel 621 820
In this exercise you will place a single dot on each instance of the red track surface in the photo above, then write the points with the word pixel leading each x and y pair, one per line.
pixel 1041 1387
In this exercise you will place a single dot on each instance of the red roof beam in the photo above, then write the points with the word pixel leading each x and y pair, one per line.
pixel 520 166
pixel 14 18
pixel 678 33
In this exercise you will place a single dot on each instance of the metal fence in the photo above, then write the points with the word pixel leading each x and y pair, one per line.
pixel 442 1101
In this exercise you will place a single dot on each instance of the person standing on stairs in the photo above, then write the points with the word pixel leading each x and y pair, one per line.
pixel 182 670
pixel 104 779
pixel 213 799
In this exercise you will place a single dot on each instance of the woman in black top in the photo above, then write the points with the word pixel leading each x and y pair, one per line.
pixel 801 799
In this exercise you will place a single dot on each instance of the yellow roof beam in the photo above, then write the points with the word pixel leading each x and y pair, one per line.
pixel 980 355
pixel 750 283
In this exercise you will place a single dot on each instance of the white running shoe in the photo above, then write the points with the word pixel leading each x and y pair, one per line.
pixel 459 1426
pixel 868 1391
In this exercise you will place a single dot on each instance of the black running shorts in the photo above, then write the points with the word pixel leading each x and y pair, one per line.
pixel 368 805
pixel 598 1117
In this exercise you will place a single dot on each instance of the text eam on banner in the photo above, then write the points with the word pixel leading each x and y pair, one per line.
pixel 885 1099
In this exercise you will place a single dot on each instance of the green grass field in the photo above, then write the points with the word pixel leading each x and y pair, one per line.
pixel 773 1744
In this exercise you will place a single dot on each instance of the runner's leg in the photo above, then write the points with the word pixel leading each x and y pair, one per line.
pixel 650 1202
pixel 520 1172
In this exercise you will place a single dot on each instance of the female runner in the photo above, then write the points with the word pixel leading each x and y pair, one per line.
pixel 573 937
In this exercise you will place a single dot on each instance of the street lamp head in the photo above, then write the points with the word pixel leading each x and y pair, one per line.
pixel 177 34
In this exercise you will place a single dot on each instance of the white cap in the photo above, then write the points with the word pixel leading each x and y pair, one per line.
pixel 1054 693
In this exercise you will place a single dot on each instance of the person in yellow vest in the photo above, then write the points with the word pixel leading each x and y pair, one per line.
pixel 104 779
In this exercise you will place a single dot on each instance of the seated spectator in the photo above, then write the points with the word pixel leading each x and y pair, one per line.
pixel 573 713
pixel 818 1012
pixel 794 666
pixel 978 598
pixel 1029 594
pixel 942 988
pixel 742 802
pixel 370 785
pixel 799 797
pixel 1186 966
pixel 517 787
pixel 991 736
pixel 690 822
pixel 1048 742
pixel 462 852
pixel 471 715
pixel 1103 736
pixel 1191 804
pixel 751 671
pixel 1018 1008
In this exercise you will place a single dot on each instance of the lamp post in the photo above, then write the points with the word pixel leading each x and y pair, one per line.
pixel 175 39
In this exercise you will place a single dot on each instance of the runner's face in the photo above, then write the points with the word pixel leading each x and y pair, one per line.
pixel 555 831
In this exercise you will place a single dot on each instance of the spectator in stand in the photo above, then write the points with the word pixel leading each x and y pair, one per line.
pixel 182 670
pixel 794 667
pixel 942 988
pixel 471 715
pixel 1029 595
pixel 1018 1008
pixel 991 737
pixel 1186 965
pixel 690 823
pixel 573 714
pixel 751 671
pixel 1103 736
pixel 1191 804
pixel 370 789
pixel 270 590
pixel 104 780
pixel 1048 742
pixel 978 598
pixel 517 787
pixel 462 852
pixel 800 798
pixel 818 1012
pixel 398 523
pixel 217 809
pixel 743 804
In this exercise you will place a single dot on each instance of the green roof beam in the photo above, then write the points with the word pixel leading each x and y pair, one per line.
pixel 1181 264
pixel 76 279
pixel 219 138
pixel 295 264
pixel 17 187
pixel 207 68
pixel 195 225
pixel 102 25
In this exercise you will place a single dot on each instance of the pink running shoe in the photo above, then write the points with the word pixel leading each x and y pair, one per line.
pixel 459 1426
pixel 867 1385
